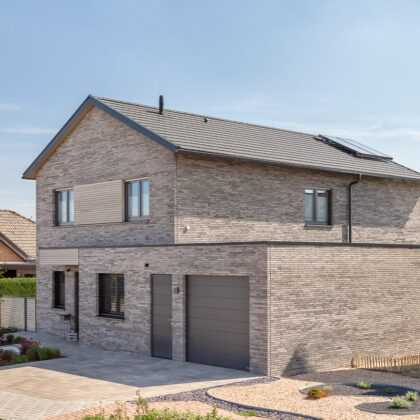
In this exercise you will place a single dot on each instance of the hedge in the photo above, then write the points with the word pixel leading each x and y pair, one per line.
pixel 20 287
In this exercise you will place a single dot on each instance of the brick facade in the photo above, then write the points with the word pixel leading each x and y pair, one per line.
pixel 311 306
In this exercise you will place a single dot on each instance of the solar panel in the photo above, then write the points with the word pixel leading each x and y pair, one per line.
pixel 355 147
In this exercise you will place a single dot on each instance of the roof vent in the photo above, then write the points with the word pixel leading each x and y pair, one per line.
pixel 206 119
pixel 161 104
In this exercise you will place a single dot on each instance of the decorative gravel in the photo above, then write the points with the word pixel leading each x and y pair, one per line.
pixel 203 396
pixel 285 394
pixel 376 390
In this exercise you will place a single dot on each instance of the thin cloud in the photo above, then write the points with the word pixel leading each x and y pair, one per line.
pixel 9 107
pixel 27 130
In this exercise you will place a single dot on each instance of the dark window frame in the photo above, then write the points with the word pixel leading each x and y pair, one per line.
pixel 68 222
pixel 314 221
pixel 105 296
pixel 140 217
pixel 59 289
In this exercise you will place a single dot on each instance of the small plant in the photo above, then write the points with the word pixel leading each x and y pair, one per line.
pixel 250 413
pixel 18 339
pixel 21 359
pixel 317 393
pixel 390 390
pixel 32 354
pixel 412 396
pixel 9 355
pixel 364 385
pixel 51 352
pixel 26 344
pixel 8 330
pixel 328 388
pixel 10 338
pixel 400 402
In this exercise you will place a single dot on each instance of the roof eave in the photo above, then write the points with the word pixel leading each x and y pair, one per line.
pixel 90 101
pixel 16 249
pixel 292 165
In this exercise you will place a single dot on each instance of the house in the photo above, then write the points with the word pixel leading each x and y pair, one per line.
pixel 195 238
pixel 17 245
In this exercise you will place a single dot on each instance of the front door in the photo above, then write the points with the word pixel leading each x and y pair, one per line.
pixel 162 316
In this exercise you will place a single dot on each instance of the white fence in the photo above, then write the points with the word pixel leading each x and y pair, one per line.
pixel 17 312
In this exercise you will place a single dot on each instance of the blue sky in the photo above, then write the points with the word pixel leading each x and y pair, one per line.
pixel 349 68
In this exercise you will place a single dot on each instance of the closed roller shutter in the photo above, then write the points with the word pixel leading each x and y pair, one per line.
pixel 218 321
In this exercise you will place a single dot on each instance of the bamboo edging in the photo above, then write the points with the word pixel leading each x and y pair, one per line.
pixel 394 364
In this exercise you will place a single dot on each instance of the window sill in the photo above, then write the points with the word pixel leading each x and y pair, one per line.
pixel 315 226
pixel 110 318
pixel 103 224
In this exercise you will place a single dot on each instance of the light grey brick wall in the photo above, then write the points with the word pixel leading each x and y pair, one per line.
pixel 222 201
pixel 327 303
pixel 101 149
pixel 134 332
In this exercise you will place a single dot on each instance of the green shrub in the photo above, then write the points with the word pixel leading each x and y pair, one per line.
pixel 328 388
pixel 7 330
pixel 412 396
pixel 10 338
pixel 317 393
pixel 18 339
pixel 32 354
pixel 20 287
pixel 9 355
pixel 21 359
pixel 51 352
pixel 250 413
pixel 364 385
pixel 400 402
pixel 390 390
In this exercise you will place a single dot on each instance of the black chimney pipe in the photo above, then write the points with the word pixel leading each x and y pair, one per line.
pixel 350 238
pixel 161 104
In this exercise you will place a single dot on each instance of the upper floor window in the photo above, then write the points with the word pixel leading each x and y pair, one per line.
pixel 317 206
pixel 137 199
pixel 64 207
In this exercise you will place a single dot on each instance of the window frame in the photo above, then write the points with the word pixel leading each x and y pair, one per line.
pixel 104 313
pixel 140 217
pixel 57 303
pixel 57 207
pixel 315 221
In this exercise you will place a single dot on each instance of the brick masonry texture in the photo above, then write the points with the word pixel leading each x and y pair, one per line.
pixel 327 303
pixel 311 307
pixel 134 332
pixel 6 254
pixel 101 149
pixel 237 201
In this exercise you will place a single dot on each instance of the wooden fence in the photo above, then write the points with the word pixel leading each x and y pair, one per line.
pixel 17 312
pixel 394 364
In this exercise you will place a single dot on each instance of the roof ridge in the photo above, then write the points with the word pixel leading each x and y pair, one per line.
pixel 207 116
pixel 17 214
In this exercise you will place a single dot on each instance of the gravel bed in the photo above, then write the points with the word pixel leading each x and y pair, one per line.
pixel 202 396
pixel 376 390
pixel 385 408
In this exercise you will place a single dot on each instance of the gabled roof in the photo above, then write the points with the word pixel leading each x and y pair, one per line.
pixel 18 233
pixel 183 132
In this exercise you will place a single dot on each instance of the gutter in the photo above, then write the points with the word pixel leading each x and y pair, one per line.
pixel 350 207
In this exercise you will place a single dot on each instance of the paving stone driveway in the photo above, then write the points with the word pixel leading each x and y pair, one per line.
pixel 90 376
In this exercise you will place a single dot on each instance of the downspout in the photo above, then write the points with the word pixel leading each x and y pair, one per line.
pixel 350 207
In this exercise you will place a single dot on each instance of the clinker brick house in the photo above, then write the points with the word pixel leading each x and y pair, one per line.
pixel 196 238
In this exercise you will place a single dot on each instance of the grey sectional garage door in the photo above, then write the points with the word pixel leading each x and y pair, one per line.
pixel 218 321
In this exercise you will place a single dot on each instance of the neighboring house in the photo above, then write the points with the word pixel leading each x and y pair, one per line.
pixel 196 238
pixel 17 245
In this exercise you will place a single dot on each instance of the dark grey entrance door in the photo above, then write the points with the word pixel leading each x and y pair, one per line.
pixel 76 302
pixel 162 316
pixel 218 321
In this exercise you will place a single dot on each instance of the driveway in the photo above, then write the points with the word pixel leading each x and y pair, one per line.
pixel 90 376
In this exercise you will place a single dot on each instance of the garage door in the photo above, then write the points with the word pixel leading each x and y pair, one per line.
pixel 218 321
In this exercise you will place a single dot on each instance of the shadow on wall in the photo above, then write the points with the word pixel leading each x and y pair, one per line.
pixel 298 363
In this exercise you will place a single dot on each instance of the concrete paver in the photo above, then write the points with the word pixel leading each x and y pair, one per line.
pixel 90 376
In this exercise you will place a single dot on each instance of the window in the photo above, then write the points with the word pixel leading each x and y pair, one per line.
pixel 59 285
pixel 64 207
pixel 137 200
pixel 317 206
pixel 111 295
